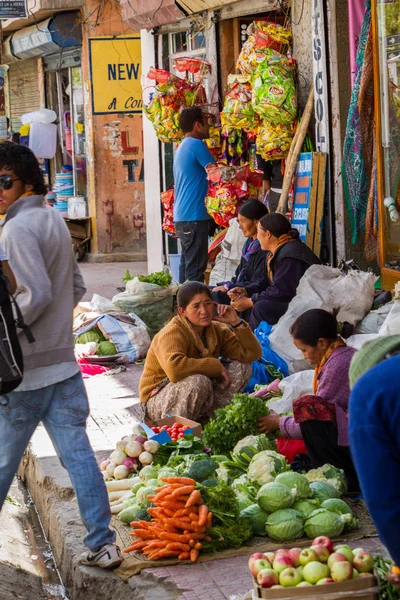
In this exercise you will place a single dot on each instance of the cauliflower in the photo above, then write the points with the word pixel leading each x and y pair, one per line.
pixel 252 444
pixel 242 480
pixel 329 474
pixel 265 466
pixel 223 474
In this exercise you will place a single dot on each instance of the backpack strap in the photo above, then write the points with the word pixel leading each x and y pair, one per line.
pixel 20 321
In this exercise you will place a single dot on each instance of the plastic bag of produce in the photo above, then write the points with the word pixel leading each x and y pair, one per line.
pixel 274 90
pixel 150 302
pixel 274 141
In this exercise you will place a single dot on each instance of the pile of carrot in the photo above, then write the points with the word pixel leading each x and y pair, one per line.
pixel 180 520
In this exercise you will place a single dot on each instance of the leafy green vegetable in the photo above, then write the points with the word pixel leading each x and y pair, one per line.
pixel 256 517
pixel 234 422
pixel 202 469
pixel 329 474
pixel 166 453
pixel 323 490
pixel 342 508
pixel 93 335
pixel 285 525
pixel 221 501
pixel 306 507
pixel 158 278
pixel 325 522
pixel 129 514
pixel 387 591
pixel 265 466
pixel 297 481
pixel 232 534
pixel 274 496
pixel 210 483
pixel 106 349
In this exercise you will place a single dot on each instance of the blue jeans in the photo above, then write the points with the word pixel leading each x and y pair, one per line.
pixel 193 236
pixel 63 409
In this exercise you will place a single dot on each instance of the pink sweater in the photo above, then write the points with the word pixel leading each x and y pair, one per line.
pixel 333 387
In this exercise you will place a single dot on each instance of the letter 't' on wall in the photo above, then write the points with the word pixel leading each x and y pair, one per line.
pixel 116 70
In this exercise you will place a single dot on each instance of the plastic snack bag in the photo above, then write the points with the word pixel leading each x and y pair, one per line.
pixel 274 90
pixel 274 141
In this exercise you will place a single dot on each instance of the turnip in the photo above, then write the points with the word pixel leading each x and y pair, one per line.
pixel 151 446
pixel 131 464
pixel 117 457
pixel 146 458
pixel 103 464
pixel 133 449
pixel 121 472
pixel 138 430
pixel 120 446
pixel 141 439
pixel 110 469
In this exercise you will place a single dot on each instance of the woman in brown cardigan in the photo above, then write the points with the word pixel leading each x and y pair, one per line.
pixel 186 372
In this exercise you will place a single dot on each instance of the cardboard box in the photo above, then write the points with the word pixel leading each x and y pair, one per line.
pixel 163 437
pixel 331 591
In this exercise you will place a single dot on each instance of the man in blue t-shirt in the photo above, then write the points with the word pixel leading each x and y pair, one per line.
pixel 190 215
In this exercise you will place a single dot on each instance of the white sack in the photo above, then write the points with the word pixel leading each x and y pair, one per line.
pixel 43 115
pixel 228 259
pixel 293 387
pixel 43 140
pixel 374 320
pixel 327 288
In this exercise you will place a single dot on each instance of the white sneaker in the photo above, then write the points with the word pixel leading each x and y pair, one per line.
pixel 108 557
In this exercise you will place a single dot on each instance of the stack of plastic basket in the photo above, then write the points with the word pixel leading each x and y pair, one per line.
pixel 64 189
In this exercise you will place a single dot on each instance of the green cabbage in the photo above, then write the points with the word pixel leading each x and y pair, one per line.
pixel 265 466
pixel 306 507
pixel 106 349
pixel 323 491
pixel 256 517
pixel 339 506
pixel 166 472
pixel 325 522
pixel 251 445
pixel 136 487
pixel 93 335
pixel 297 481
pixel 142 494
pixel 274 496
pixel 285 525
pixel 243 500
pixel 329 474
pixel 148 472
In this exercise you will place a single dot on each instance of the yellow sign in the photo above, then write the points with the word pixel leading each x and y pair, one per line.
pixel 116 70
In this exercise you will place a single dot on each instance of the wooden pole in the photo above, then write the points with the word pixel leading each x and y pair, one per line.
pixel 294 152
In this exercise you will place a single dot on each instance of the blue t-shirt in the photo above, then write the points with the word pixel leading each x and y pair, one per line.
pixel 190 180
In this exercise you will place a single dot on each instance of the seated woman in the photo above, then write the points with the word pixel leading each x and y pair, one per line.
pixel 321 420
pixel 185 373
pixel 252 265
pixel 288 260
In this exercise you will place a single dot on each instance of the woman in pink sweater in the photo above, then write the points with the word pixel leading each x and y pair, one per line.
pixel 321 420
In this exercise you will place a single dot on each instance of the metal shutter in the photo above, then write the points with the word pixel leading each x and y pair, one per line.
pixel 23 85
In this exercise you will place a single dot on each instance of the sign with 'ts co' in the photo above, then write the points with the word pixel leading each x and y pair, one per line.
pixel 116 70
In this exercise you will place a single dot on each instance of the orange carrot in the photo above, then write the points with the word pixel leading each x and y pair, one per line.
pixel 174 537
pixel 168 487
pixel 136 546
pixel 192 543
pixel 183 512
pixel 209 520
pixel 184 480
pixel 194 498
pixel 170 529
pixel 194 555
pixel 193 517
pixel 203 514
pixel 184 556
pixel 143 533
pixel 183 491
pixel 198 546
pixel 179 546
pixel 140 524
pixel 168 512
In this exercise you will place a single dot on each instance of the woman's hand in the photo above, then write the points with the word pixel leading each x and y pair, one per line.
pixel 220 288
pixel 226 314
pixel 242 304
pixel 236 293
pixel 269 423
pixel 226 376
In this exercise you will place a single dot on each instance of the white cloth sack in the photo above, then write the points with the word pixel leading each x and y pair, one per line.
pixel 43 140
pixel 228 259
pixel 293 387
pixel 43 115
pixel 327 288
pixel 374 320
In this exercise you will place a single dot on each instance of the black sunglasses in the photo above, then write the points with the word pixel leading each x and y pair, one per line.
pixel 6 182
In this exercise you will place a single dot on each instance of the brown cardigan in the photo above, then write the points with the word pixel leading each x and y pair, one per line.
pixel 177 352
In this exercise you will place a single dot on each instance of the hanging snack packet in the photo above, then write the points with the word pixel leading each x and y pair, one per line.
pixel 274 90
pixel 238 112
pixel 274 141
pixel 262 37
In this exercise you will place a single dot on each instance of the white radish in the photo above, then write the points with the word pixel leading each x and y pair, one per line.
pixel 151 446
pixel 138 430
pixel 121 472
pixel 146 458
pixel 116 508
pixel 113 496
pixel 120 446
pixel 110 469
pixel 104 464
pixel 116 486
pixel 117 457
pixel 133 449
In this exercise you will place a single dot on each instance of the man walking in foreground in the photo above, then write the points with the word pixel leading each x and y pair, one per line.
pixel 37 244
pixel 190 215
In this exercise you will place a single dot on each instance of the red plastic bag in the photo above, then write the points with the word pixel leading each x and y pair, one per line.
pixel 290 448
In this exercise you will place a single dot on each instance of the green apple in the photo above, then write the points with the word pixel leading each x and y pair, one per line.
pixel 356 574
pixel 289 577
pixel 347 551
pixel 304 584
pixel 314 571
pixel 307 555
pixel 357 551
pixel 300 570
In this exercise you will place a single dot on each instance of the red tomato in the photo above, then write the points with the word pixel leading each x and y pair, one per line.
pixel 185 427
pixel 178 425
pixel 174 438
pixel 181 435
pixel 164 428
pixel 156 429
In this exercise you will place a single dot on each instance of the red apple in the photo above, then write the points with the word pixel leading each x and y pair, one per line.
pixel 290 577
pixel 253 559
pixel 336 557
pixel 363 575
pixel 322 540
pixel 281 563
pixel 282 552
pixel 363 562
pixel 314 571
pixel 267 578
pixel 307 555
pixel 259 565
pixel 322 553
pixel 346 550
pixel 294 555
pixel 269 556
pixel 342 571
pixel 358 550
pixel 324 581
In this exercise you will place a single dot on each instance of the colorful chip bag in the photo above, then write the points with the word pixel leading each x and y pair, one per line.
pixel 274 141
pixel 274 91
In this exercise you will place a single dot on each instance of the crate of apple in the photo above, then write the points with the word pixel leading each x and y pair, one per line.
pixel 320 564
pixel 175 431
